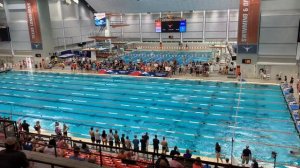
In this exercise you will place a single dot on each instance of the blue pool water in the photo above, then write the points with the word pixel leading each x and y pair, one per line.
pixel 182 57
pixel 191 114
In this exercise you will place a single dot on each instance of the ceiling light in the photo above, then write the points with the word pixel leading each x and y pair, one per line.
pixel 1 5
pixel 76 1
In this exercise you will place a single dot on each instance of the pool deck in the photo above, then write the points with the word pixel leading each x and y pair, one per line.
pixel 213 77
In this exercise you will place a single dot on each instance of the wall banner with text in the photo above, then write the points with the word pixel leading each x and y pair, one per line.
pixel 33 24
pixel 248 30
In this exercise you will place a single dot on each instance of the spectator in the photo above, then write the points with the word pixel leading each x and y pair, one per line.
pixel 84 148
pixel 57 129
pixel 187 154
pixel 104 137
pixel 97 137
pixel 143 144
pixel 12 158
pixel 197 163
pixel 135 143
pixel 110 139
pixel 127 143
pixel 49 149
pixel 123 141
pixel 218 152
pixel 65 130
pixel 174 162
pixel 28 144
pixel 174 151
pixel 122 155
pixel 292 81
pixel 164 146
pixel 25 126
pixel 37 127
pixel 155 144
pixel 146 136
pixel 162 162
pixel 62 146
pixel 254 163
pixel 92 134
pixel 246 155
pixel 117 139
pixel 76 155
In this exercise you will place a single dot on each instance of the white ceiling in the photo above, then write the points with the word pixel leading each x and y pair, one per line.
pixel 140 6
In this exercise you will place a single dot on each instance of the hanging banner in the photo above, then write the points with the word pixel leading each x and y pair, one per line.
pixel 248 30
pixel 33 24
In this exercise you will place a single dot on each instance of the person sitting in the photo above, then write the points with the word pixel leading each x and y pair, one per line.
pixel 291 89
pixel 28 144
pixel 162 162
pixel 84 148
pixel 174 163
pixel 11 157
pixel 76 155
pixel 50 147
pixel 197 163
pixel 187 154
pixel 174 151
pixel 122 155
pixel 254 163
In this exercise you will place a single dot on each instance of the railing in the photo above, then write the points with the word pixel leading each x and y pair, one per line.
pixel 100 153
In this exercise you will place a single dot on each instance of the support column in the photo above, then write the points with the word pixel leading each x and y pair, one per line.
pixel 122 29
pixel 181 38
pixel 63 24
pixel 160 38
pixel 227 25
pixel 8 24
pixel 204 26
pixel 141 34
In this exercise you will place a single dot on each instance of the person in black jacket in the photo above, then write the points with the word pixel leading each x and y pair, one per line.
pixel 155 145
pixel 10 157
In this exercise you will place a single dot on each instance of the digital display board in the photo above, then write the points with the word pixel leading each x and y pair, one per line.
pixel 170 26
pixel 100 19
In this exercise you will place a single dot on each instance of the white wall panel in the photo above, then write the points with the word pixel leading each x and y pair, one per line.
pixel 4 45
pixel 192 35
pixel 151 35
pixel 278 35
pixel 280 21
pixel 194 27
pixel 20 25
pixel 70 12
pixel 71 23
pixel 69 32
pixel 150 28
pixel 166 35
pixel 233 26
pixel 56 24
pixel 132 28
pixel 277 49
pixel 215 35
pixel 215 27
pixel 17 15
pixel 233 35
pixel 21 36
pixel 131 35
pixel 21 45
pixel 55 11
pixel 57 33
pixel 280 4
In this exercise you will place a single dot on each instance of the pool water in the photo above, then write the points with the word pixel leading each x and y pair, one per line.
pixel 191 114
pixel 182 57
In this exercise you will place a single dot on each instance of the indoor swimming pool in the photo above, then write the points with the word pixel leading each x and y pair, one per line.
pixel 191 114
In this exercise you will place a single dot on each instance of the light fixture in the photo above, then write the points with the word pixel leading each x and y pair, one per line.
pixel 76 1
pixel 1 5
pixel 68 2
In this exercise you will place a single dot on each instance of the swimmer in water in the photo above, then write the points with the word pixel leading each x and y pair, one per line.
pixel 295 153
